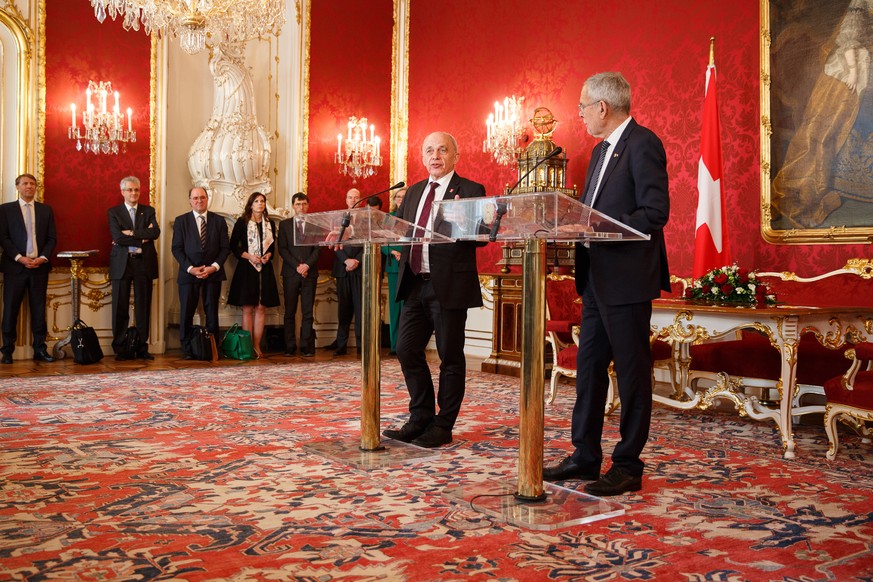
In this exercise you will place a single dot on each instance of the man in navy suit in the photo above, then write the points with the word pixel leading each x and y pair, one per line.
pixel 200 246
pixel 349 281
pixel 299 280
pixel 28 237
pixel 617 282
pixel 439 284
pixel 133 260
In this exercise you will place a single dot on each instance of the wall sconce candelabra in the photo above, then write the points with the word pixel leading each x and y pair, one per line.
pixel 102 129
pixel 503 130
pixel 361 153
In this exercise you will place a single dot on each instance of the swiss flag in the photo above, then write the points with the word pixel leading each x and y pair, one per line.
pixel 711 248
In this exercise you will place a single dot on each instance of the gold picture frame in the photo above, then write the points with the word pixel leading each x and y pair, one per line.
pixel 816 187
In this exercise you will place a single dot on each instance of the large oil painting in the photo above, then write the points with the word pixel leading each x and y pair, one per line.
pixel 816 121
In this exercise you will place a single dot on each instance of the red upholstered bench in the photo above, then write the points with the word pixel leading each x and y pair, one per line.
pixel 850 397
pixel 753 363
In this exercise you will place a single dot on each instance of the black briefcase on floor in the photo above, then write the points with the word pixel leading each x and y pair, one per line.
pixel 202 344
pixel 84 343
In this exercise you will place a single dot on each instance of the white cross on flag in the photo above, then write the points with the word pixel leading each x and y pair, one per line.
pixel 711 248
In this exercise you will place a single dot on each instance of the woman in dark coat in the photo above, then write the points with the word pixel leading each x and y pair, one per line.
pixel 253 286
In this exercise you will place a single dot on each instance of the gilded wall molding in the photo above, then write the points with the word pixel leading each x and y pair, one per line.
pixel 12 19
pixel 399 91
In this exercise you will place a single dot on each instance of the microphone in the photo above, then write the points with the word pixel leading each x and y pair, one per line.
pixel 365 198
pixel 502 207
pixel 347 217
pixel 501 210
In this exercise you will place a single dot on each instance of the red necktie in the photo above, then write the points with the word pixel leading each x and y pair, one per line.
pixel 416 251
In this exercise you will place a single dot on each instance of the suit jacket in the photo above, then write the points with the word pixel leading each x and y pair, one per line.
pixel 635 191
pixel 453 270
pixel 339 261
pixel 186 246
pixel 294 255
pixel 146 229
pixel 13 235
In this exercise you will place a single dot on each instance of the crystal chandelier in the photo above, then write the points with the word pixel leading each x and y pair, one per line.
pixel 503 130
pixel 195 20
pixel 362 152
pixel 102 129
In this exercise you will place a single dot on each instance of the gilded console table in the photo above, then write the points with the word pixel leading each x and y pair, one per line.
pixel 683 323
pixel 77 275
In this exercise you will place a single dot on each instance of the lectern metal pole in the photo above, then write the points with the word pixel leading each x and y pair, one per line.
pixel 370 357
pixel 531 413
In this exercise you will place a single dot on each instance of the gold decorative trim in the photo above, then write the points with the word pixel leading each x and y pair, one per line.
pixel 399 92
pixel 305 42
pixel 831 235
pixel 155 140
pixel 12 19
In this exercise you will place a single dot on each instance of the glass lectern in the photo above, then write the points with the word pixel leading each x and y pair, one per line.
pixel 370 228
pixel 532 219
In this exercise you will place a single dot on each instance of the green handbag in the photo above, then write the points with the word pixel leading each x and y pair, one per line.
pixel 237 344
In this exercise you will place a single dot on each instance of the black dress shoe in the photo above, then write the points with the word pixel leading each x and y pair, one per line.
pixel 145 356
pixel 42 356
pixel 6 359
pixel 291 352
pixel 433 437
pixel 330 346
pixel 568 469
pixel 309 354
pixel 123 357
pixel 615 482
pixel 406 433
pixel 188 357
pixel 340 351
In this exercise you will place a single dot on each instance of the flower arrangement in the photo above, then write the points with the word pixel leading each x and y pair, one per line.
pixel 731 284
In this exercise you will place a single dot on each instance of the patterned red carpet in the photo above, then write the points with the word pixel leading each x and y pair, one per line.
pixel 201 475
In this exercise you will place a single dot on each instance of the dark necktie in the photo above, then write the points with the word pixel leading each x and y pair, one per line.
pixel 592 186
pixel 415 253
pixel 202 231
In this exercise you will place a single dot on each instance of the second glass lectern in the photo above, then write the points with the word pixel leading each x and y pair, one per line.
pixel 532 219
pixel 370 228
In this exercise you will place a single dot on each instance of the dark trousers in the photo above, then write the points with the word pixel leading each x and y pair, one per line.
pixel 348 298
pixel 33 283
pixel 135 274
pixel 618 333
pixel 189 298
pixel 420 318
pixel 302 288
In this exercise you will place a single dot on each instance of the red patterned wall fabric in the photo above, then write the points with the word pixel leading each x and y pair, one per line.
pixel 80 187
pixel 465 55
pixel 349 74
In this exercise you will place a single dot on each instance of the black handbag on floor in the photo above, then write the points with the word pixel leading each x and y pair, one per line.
pixel 84 343
pixel 202 344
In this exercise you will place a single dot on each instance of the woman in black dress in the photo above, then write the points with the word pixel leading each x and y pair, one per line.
pixel 253 286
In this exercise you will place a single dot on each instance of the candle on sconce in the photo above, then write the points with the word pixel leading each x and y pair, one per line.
pixel 378 147
pixel 73 110
pixel 339 144
pixel 129 126
pixel 116 102
pixel 103 101
pixel 372 132
pixel 350 130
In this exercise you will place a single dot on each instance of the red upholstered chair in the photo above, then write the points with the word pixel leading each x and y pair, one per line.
pixel 850 397
pixel 563 315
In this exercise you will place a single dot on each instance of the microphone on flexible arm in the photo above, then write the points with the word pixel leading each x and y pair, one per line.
pixel 502 208
pixel 347 217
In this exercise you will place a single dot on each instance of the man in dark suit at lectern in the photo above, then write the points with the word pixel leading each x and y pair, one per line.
pixel 439 284
pixel 133 260
pixel 627 180
pixel 200 246
pixel 28 237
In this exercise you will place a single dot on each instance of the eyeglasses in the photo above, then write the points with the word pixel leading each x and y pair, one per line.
pixel 584 106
